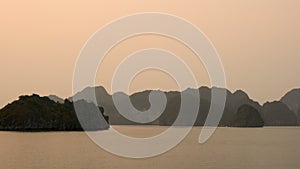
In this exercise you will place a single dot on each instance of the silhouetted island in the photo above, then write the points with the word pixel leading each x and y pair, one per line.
pixel 278 114
pixel 35 113
pixel 247 116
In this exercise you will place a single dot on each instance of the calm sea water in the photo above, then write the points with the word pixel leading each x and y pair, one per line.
pixel 229 148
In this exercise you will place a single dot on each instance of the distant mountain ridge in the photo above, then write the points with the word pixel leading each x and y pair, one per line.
pixel 56 99
pixel 233 103
pixel 35 113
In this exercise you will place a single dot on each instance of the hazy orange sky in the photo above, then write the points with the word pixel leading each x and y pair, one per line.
pixel 257 40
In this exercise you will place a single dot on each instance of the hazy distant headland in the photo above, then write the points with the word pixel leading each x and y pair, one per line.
pixel 35 113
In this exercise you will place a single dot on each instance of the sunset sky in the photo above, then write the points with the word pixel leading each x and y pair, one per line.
pixel 257 40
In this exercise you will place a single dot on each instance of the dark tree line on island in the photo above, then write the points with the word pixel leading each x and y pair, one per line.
pixel 35 113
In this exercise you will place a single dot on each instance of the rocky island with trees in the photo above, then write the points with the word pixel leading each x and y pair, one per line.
pixel 35 113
